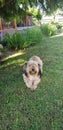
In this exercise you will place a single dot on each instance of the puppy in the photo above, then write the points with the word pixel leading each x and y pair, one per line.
pixel 32 72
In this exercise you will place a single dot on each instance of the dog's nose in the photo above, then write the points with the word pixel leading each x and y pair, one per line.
pixel 32 69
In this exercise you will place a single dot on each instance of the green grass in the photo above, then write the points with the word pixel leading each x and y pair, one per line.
pixel 42 109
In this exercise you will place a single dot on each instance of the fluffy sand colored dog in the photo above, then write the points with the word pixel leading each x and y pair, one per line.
pixel 32 72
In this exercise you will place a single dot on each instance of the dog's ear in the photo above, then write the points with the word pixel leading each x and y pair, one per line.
pixel 24 69
pixel 40 72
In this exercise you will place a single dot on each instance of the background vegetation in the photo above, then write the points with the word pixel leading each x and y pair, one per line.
pixel 31 36
pixel 22 39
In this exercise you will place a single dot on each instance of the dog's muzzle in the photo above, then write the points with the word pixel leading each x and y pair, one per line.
pixel 32 69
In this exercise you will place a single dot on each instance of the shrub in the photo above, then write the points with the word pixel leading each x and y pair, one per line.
pixel 19 39
pixel 22 39
pixel 8 39
pixel 34 35
pixel 1 52
pixel 15 40
pixel 48 29
pixel 58 25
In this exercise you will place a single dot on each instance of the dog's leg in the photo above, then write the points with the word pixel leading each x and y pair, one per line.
pixel 40 70
pixel 24 69
pixel 33 88
pixel 27 81
pixel 34 83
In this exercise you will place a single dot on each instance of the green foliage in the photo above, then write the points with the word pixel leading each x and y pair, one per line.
pixel 48 29
pixel 35 13
pixel 8 39
pixel 51 6
pixel 2 50
pixel 58 25
pixel 39 15
pixel 12 8
pixel 15 40
pixel 34 35
pixel 23 38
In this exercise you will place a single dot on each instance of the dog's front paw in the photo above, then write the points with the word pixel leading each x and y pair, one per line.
pixel 33 88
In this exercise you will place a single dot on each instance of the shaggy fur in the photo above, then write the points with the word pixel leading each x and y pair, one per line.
pixel 32 72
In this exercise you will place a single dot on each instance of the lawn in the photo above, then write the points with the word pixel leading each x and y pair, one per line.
pixel 42 109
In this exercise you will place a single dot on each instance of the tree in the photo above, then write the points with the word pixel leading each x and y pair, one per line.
pixel 11 8
pixel 51 5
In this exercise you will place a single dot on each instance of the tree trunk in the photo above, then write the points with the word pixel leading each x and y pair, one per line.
pixel 0 24
pixel 14 23
pixel 27 20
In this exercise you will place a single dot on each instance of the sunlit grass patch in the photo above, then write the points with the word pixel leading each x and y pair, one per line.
pixel 14 55
pixel 13 58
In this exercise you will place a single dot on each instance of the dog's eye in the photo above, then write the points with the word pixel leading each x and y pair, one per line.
pixel 29 65
pixel 39 65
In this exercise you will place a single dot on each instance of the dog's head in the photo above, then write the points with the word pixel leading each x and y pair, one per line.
pixel 32 68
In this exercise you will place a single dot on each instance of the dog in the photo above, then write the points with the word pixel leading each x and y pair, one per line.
pixel 32 72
